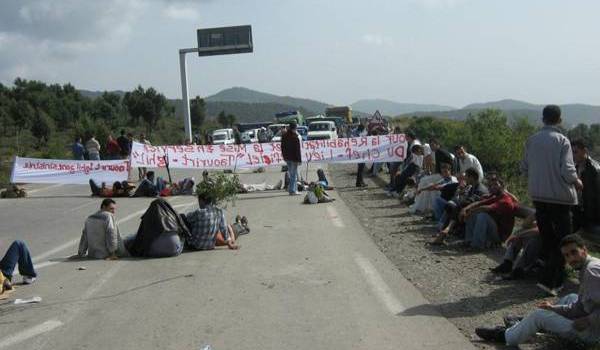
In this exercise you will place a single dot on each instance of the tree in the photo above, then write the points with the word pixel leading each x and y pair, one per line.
pixel 22 114
pixel 148 105
pixel 231 119
pixel 222 119
pixel 197 111
pixel 42 127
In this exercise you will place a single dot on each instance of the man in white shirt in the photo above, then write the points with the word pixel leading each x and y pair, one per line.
pixel 467 160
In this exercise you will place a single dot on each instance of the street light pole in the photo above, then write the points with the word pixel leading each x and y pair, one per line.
pixel 185 98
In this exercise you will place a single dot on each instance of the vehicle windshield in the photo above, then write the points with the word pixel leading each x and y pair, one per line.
pixel 319 127
pixel 219 137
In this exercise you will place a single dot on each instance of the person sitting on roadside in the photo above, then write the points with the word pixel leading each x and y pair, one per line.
pixel 491 220
pixel 586 215
pixel 322 180
pixel 440 155
pixel 180 188
pixel 119 189
pixel 467 160
pixel 146 188
pixel 423 201
pixel 474 191
pixel 444 190
pixel 522 247
pixel 17 253
pixel 574 317
pixel 100 238
pixel 208 226
pixel 416 162
pixel 162 232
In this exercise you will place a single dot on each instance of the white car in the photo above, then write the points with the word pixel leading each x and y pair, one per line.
pixel 223 137
pixel 322 130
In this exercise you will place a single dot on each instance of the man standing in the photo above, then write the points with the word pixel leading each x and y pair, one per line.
pixel 290 150
pixel 93 148
pixel 113 149
pixel 78 149
pixel 100 238
pixel 586 215
pixel 573 317
pixel 124 144
pixel 552 182
pixel 360 171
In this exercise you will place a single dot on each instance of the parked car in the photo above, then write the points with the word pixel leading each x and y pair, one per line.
pixel 223 137
pixel 322 130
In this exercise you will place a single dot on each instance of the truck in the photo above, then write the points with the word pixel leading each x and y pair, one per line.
pixel 290 116
pixel 223 137
pixel 344 112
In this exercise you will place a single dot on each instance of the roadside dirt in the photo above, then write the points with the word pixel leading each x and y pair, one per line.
pixel 455 281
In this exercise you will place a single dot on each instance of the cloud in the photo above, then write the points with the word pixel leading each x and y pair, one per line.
pixel 378 40
pixel 181 12
pixel 34 34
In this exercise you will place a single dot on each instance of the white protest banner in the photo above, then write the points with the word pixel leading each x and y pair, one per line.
pixel 57 171
pixel 384 148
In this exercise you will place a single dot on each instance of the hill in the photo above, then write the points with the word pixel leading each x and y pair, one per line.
pixel 245 95
pixel 388 107
pixel 572 114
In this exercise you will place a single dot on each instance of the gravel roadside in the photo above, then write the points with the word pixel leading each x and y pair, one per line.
pixel 457 282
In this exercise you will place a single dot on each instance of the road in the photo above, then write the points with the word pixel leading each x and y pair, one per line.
pixel 306 277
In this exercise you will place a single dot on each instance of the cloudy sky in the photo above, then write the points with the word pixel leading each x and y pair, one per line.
pixel 450 52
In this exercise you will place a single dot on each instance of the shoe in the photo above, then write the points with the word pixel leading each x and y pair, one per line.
pixel 361 185
pixel 552 291
pixel 495 334
pixel 28 279
pixel 511 320
pixel 516 274
pixel 505 267
pixel 294 194
pixel 238 219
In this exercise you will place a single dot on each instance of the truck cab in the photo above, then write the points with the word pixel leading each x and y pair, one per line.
pixel 223 137
pixel 322 130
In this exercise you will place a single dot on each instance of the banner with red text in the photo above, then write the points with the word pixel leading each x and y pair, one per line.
pixel 56 171
pixel 384 148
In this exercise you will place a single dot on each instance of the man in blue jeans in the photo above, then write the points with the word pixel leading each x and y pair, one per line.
pixel 573 317
pixel 290 150
pixel 18 253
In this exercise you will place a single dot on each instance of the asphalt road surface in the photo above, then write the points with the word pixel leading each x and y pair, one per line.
pixel 307 277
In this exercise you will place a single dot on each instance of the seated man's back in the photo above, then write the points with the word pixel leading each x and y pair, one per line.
pixel 205 223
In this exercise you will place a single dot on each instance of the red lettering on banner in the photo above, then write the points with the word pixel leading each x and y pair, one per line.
pixel 375 141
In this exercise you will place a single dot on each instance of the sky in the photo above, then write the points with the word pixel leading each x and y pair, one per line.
pixel 450 52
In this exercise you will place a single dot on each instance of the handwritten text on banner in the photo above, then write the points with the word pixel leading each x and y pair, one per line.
pixel 56 171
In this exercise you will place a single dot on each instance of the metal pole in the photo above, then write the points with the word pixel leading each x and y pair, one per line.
pixel 184 93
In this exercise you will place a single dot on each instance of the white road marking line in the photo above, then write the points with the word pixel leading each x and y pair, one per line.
pixel 383 291
pixel 30 333
pixel 44 188
pixel 70 315
pixel 81 206
pixel 335 218
pixel 76 241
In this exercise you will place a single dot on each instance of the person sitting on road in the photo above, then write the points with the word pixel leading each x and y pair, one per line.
pixel 522 247
pixel 473 192
pixel 162 232
pixel 180 188
pixel 416 162
pixel 119 189
pixel 17 253
pixel 446 186
pixel 573 317
pixel 586 215
pixel 147 188
pixel 100 238
pixel 208 226
pixel 491 220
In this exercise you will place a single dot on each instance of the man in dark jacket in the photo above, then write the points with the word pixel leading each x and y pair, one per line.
pixel 290 150
pixel 586 215
pixel 441 155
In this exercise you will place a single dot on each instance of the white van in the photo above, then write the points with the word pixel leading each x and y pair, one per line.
pixel 223 137
pixel 322 130
pixel 250 136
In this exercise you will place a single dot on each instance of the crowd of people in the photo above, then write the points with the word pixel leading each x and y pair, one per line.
pixel 452 189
